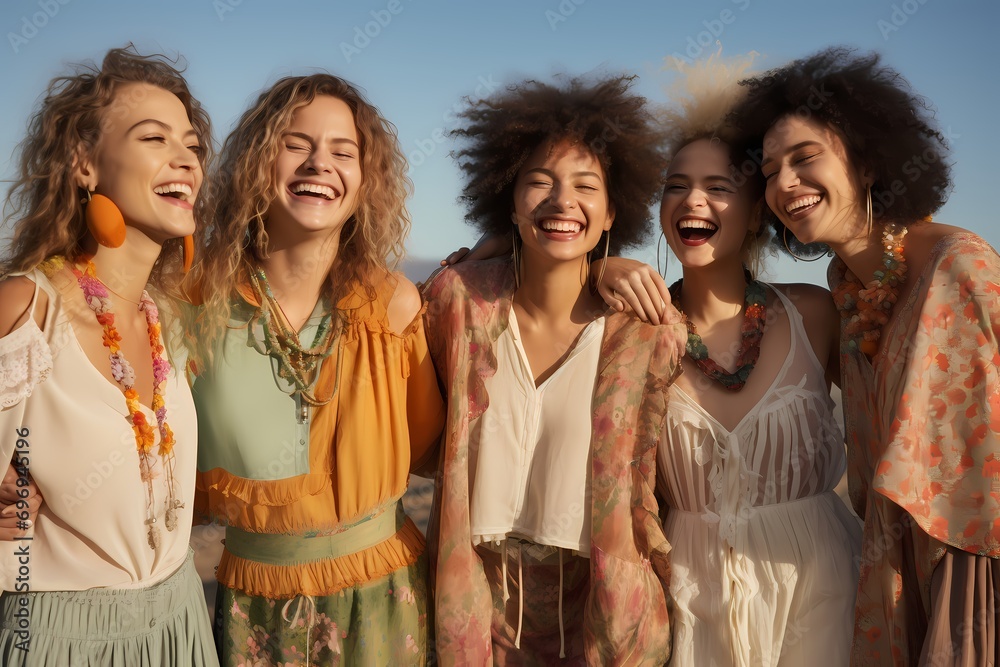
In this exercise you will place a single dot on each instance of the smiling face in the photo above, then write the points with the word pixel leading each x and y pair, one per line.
pixel 318 170
pixel 704 214
pixel 811 184
pixel 561 202
pixel 146 161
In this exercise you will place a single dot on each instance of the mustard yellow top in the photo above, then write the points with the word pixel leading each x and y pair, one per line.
pixel 263 470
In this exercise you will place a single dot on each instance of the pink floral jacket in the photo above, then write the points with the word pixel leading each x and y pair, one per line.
pixel 626 620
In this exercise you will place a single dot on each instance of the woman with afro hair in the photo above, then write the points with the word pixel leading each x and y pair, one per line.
pixel 546 544
pixel 853 162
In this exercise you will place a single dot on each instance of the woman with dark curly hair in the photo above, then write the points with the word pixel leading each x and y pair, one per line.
pixel 853 162
pixel 95 403
pixel 547 541
pixel 315 391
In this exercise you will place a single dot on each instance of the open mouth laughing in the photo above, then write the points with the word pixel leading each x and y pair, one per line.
pixel 695 231
pixel 802 206
pixel 179 193
pixel 313 191
pixel 560 227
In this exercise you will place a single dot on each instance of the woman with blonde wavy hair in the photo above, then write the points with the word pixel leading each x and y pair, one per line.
pixel 94 409
pixel 314 388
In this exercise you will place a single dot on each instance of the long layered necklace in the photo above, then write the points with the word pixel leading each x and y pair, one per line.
pixel 297 365
pixel 97 297
pixel 751 334
pixel 865 310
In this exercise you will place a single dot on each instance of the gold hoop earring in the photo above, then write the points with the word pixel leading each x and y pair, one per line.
pixel 869 211
pixel 516 257
pixel 797 258
pixel 607 245
pixel 663 271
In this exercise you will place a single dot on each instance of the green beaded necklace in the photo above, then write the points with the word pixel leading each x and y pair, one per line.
pixel 751 333
pixel 296 365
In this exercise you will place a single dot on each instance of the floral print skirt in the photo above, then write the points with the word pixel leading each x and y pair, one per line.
pixel 382 622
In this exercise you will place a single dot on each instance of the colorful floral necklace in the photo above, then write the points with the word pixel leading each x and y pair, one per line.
pixel 296 365
pixel 97 297
pixel 865 310
pixel 751 334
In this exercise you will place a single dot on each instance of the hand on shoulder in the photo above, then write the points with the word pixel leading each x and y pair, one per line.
pixel 16 293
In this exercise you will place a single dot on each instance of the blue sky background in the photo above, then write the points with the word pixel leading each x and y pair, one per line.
pixel 417 58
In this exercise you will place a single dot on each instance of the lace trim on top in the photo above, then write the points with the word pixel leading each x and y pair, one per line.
pixel 25 361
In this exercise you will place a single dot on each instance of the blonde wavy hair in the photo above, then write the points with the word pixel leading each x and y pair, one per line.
pixel 45 203
pixel 244 187
pixel 702 95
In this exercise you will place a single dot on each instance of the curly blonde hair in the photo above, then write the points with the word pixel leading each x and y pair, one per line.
pixel 244 187
pixel 44 202
pixel 701 99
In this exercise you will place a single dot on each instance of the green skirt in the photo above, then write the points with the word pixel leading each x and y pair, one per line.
pixel 164 624
pixel 382 622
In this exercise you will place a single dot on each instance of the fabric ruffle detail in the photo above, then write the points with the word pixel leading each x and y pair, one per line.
pixel 25 361
pixel 323 577
pixel 222 488
pixel 272 504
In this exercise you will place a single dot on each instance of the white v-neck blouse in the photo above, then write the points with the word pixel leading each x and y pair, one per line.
pixel 90 530
pixel 531 475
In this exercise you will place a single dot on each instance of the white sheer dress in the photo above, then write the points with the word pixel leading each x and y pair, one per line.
pixel 764 552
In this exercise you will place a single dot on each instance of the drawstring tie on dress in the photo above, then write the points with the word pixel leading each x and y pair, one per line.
pixel 310 617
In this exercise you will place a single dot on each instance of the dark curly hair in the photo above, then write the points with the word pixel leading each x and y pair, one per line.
pixel 885 127
pixel 499 133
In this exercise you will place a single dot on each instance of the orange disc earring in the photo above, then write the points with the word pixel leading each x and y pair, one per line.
pixel 105 221
pixel 188 252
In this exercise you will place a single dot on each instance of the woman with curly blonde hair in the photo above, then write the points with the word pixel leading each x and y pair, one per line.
pixel 314 390
pixel 109 177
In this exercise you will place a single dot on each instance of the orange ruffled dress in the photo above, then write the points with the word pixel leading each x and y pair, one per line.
pixel 320 564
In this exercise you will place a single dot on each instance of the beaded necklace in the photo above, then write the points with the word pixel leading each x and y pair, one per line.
pixel 864 310
pixel 296 365
pixel 97 297
pixel 751 334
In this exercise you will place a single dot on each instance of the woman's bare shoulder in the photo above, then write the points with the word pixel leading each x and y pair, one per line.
pixel 16 294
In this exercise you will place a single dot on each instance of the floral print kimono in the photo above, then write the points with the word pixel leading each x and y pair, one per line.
pixel 625 621
pixel 923 434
